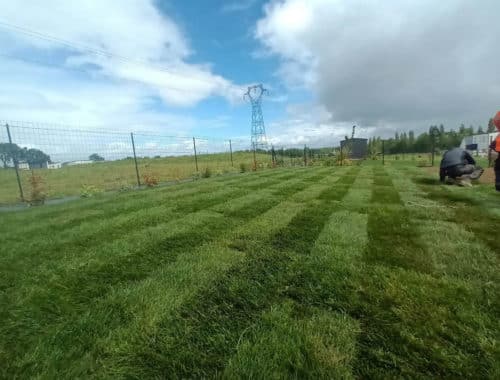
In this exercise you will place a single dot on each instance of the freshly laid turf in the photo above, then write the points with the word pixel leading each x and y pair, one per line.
pixel 321 272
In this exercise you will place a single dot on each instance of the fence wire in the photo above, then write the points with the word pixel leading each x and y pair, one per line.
pixel 68 161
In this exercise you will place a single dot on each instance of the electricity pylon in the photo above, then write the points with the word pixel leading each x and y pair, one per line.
pixel 254 96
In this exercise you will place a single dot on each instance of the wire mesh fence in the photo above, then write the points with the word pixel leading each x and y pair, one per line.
pixel 73 162
pixel 51 161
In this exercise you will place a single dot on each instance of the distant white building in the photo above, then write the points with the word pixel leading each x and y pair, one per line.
pixel 54 165
pixel 23 166
pixel 79 162
pixel 482 141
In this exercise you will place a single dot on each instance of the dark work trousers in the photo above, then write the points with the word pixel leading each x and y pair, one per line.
pixel 497 174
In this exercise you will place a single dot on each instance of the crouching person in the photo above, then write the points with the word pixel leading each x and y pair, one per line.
pixel 459 166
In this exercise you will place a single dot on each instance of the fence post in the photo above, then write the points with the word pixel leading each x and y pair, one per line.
pixel 16 165
pixel 231 152
pixel 305 156
pixel 195 154
pixel 383 153
pixel 341 155
pixel 135 160
pixel 254 159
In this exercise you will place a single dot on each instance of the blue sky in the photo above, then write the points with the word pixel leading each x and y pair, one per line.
pixel 219 35
pixel 180 67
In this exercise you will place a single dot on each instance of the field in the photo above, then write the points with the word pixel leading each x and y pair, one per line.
pixel 320 272
pixel 119 175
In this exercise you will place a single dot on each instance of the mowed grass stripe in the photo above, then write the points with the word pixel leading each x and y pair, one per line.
pixel 143 200
pixel 418 320
pixel 114 227
pixel 87 282
pixel 311 336
pixel 171 286
pixel 200 341
pixel 73 255
pixel 103 202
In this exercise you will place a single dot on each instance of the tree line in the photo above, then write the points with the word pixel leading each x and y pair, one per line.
pixel 437 137
pixel 10 153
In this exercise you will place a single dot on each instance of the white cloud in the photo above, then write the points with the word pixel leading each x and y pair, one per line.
pixel 95 89
pixel 392 63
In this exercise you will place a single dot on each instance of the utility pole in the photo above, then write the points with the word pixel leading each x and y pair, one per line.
pixel 254 96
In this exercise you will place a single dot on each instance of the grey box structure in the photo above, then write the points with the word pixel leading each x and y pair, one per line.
pixel 358 147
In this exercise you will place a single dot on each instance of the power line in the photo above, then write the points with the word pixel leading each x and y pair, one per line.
pixel 97 52
pixel 66 68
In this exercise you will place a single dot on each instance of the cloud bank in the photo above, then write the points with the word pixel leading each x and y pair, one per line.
pixel 394 63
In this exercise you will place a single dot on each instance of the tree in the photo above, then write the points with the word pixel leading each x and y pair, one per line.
pixel 95 157
pixel 36 157
pixel 491 126
pixel 9 152
pixel 441 129
pixel 480 130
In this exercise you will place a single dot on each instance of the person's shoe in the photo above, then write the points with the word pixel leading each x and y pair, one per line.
pixel 464 182
pixel 477 173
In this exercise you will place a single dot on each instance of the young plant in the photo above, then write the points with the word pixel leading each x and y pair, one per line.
pixel 207 173
pixel 37 190
pixel 150 180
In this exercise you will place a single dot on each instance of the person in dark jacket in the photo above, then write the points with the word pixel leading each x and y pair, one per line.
pixel 495 147
pixel 459 165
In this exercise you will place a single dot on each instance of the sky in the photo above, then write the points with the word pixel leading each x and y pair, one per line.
pixel 180 68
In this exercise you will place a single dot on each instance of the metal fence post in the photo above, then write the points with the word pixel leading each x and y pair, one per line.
pixel 16 165
pixel 383 153
pixel 195 154
pixel 254 158
pixel 135 160
pixel 231 152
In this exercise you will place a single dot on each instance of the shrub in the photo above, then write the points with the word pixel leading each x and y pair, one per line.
pixel 88 191
pixel 150 180
pixel 207 173
pixel 330 161
pixel 37 193
pixel 243 167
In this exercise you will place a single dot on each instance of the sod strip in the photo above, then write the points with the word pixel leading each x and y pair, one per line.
pixel 136 238
pixel 76 291
pixel 147 200
pixel 392 235
pixel 147 196
pixel 285 344
pixel 199 342
pixel 171 286
pixel 305 338
pixel 473 214
pixel 88 233
pixel 413 324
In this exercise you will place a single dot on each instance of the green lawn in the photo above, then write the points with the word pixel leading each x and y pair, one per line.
pixel 121 174
pixel 320 272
